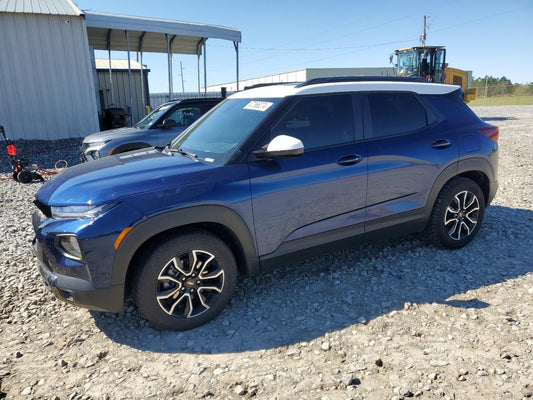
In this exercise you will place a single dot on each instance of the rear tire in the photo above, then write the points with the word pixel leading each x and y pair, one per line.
pixel 185 281
pixel 457 214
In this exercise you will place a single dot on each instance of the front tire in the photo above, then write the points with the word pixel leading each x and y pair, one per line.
pixel 185 282
pixel 457 214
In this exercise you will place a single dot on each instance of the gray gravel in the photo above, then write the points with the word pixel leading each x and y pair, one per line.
pixel 390 320
pixel 43 153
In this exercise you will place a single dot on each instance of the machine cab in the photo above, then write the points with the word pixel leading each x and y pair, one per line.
pixel 428 62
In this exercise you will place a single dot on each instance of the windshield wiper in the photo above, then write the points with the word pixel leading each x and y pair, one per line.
pixel 184 153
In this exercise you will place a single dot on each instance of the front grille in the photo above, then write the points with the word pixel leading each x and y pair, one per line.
pixel 46 210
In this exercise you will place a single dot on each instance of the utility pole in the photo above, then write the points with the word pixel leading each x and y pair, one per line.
pixel 423 38
pixel 182 85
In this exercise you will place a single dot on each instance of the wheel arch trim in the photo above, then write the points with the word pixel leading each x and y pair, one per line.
pixel 474 164
pixel 202 214
pixel 128 146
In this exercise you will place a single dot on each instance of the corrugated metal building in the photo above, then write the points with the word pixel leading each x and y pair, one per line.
pixel 303 75
pixel 46 82
pixel 121 97
pixel 48 78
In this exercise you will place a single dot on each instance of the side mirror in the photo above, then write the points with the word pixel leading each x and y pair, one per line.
pixel 167 123
pixel 281 146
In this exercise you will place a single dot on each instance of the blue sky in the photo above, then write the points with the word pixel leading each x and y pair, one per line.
pixel 488 37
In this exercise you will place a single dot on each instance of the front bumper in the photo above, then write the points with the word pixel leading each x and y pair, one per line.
pixel 72 281
pixel 80 292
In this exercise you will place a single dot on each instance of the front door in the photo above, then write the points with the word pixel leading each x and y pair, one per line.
pixel 311 198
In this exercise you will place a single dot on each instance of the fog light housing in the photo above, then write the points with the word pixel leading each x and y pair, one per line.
pixel 69 246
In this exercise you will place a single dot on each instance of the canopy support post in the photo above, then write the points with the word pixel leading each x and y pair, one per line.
pixel 130 86
pixel 236 45
pixel 198 70
pixel 169 57
pixel 110 69
pixel 141 39
pixel 205 66
pixel 198 53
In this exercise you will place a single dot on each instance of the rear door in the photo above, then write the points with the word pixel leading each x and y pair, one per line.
pixel 303 200
pixel 408 147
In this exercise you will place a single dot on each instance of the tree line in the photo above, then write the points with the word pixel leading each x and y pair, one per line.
pixel 501 87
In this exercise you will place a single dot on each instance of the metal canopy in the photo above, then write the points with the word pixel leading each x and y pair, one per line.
pixel 152 31
pixel 141 34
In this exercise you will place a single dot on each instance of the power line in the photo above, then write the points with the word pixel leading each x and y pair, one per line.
pixel 481 18
pixel 308 62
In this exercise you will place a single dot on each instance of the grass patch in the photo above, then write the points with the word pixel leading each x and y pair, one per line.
pixel 503 101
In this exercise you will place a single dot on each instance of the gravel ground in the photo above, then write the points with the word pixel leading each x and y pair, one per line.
pixel 389 320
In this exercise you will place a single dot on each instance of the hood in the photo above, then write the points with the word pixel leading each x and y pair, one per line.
pixel 111 178
pixel 111 134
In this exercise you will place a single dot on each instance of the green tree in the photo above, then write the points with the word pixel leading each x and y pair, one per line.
pixel 495 86
pixel 524 90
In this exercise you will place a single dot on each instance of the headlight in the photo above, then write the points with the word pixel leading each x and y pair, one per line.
pixel 69 246
pixel 93 149
pixel 95 145
pixel 79 211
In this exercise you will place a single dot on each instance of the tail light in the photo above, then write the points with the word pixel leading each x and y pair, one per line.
pixel 492 132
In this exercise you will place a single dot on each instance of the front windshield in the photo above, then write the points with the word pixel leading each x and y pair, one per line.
pixel 214 138
pixel 152 116
pixel 407 63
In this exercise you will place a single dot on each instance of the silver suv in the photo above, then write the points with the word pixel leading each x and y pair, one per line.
pixel 156 129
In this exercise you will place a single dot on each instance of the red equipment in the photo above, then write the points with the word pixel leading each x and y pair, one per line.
pixel 21 172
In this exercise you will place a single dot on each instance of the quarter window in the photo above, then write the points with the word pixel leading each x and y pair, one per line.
pixel 319 121
pixel 395 113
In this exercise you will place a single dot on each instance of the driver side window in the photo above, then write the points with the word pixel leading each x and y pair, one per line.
pixel 185 116
pixel 319 121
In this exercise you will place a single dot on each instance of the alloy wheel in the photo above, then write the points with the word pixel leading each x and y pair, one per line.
pixel 189 284
pixel 461 216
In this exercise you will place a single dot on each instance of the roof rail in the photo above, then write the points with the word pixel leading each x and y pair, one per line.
pixel 342 79
pixel 259 85
pixel 196 99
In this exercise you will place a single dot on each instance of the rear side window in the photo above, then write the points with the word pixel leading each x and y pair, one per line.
pixel 395 113
pixel 452 107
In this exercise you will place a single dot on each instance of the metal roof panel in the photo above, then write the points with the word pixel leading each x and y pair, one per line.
pixel 46 7
pixel 156 25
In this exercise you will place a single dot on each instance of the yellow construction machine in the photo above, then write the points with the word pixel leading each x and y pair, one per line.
pixel 429 62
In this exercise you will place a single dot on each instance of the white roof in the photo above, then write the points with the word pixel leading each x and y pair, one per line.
pixel 150 33
pixel 278 91
pixel 49 7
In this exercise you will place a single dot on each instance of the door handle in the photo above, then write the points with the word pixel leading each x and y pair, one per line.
pixel 349 160
pixel 441 144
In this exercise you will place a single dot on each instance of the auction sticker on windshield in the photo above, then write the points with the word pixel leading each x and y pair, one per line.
pixel 258 105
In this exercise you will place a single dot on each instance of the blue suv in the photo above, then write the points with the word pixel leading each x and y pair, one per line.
pixel 270 172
